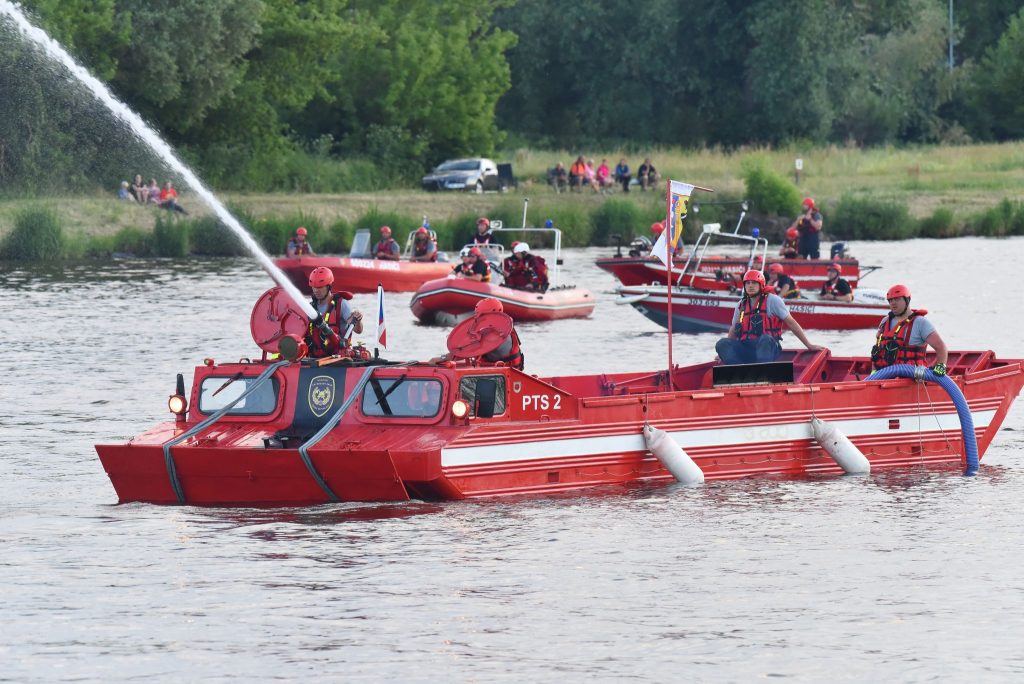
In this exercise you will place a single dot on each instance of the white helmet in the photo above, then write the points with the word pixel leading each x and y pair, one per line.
pixel 464 252
pixel 521 247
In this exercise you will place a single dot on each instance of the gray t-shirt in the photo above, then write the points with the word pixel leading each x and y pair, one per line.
pixel 919 333
pixel 775 307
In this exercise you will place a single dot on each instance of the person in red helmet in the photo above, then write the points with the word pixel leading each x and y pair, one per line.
pixel 483 234
pixel 473 266
pixel 905 334
pixel 508 352
pixel 423 247
pixel 791 245
pixel 326 334
pixel 755 335
pixel 808 225
pixel 784 286
pixel 387 248
pixel 836 288
pixel 657 228
pixel 298 245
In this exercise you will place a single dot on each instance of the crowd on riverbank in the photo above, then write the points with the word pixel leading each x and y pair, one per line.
pixel 165 197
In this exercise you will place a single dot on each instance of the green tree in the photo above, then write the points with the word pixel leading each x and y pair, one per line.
pixel 998 103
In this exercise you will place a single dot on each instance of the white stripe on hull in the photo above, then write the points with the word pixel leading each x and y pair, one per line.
pixel 741 437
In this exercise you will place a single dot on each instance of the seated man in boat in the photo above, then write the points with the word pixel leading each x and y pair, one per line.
pixel 784 286
pixel 755 335
pixel 298 246
pixel 791 245
pixel 423 248
pixel 387 248
pixel 904 335
pixel 525 271
pixel 483 235
pixel 326 335
pixel 835 288
pixel 473 266
pixel 508 352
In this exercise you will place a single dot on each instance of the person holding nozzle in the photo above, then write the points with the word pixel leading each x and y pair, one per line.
pixel 905 334
pixel 328 332
pixel 755 335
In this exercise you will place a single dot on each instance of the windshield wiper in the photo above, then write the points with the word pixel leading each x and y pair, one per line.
pixel 382 394
pixel 230 380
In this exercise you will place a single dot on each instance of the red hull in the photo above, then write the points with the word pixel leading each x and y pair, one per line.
pixel 808 273
pixel 694 311
pixel 554 434
pixel 447 299
pixel 362 275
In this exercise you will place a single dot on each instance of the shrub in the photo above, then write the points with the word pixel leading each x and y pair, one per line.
pixel 1006 218
pixel 939 225
pixel 37 236
pixel 170 236
pixel 135 241
pixel 616 216
pixel 768 191
pixel 210 237
pixel 870 219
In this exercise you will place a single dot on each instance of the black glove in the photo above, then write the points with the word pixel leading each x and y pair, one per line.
pixel 939 369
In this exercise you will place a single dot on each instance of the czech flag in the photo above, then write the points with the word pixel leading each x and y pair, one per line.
pixel 678 205
pixel 382 331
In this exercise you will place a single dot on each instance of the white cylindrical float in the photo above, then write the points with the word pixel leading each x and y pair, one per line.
pixel 672 456
pixel 840 448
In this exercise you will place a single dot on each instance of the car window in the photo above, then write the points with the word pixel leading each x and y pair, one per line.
pixel 459 166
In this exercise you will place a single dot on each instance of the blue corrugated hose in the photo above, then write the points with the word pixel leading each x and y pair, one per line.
pixel 962 410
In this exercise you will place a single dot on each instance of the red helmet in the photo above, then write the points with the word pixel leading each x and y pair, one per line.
pixel 792 233
pixel 300 231
pixel 753 275
pixel 484 220
pixel 898 291
pixel 776 268
pixel 422 230
pixel 321 277
pixel 514 243
pixel 808 201
pixel 835 267
pixel 385 230
pixel 475 251
pixel 657 228
pixel 488 305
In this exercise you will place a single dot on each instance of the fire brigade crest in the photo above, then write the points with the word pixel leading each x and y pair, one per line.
pixel 321 394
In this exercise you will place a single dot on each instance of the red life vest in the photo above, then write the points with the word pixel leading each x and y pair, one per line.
pixel 318 346
pixel 475 270
pixel 756 321
pixel 509 352
pixel 300 249
pixel 385 247
pixel 530 272
pixel 421 249
pixel 791 247
pixel 830 287
pixel 892 346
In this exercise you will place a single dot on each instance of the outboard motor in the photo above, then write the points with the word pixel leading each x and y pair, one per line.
pixel 640 246
pixel 838 250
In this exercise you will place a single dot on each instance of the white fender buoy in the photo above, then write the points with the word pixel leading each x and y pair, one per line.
pixel 840 448
pixel 672 456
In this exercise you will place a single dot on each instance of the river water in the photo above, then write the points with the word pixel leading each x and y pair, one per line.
pixel 908 575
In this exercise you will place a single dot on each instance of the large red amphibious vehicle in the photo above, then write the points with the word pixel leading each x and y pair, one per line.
pixel 357 428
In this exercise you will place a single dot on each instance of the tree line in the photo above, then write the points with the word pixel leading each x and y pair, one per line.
pixel 353 94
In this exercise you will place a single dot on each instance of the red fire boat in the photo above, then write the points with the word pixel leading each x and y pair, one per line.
pixel 360 272
pixel 356 428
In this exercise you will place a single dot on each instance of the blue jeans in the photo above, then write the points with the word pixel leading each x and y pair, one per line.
pixel 763 349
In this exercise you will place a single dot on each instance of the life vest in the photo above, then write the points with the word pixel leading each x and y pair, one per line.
pixel 419 250
pixel 892 346
pixel 385 247
pixel 318 346
pixel 299 249
pixel 483 238
pixel 794 289
pixel 791 247
pixel 755 320
pixel 508 352
pixel 473 270
pixel 831 288
pixel 530 272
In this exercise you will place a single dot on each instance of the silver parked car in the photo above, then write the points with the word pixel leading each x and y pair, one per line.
pixel 474 175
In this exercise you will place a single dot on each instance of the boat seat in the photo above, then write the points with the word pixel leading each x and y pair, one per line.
pixel 752 374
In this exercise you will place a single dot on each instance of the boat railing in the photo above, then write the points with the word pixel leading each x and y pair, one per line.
pixel 758 248
pixel 553 269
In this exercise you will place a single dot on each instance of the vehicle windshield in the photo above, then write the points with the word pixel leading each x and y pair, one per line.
pixel 459 166
pixel 216 392
pixel 402 397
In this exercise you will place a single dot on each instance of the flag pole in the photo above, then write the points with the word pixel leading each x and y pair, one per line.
pixel 670 249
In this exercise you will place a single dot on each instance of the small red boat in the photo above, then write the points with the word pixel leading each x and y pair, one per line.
pixel 356 428
pixel 448 300
pixel 696 311
pixel 445 301
pixel 360 272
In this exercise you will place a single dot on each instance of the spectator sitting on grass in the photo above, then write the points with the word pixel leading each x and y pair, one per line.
pixel 558 178
pixel 153 192
pixel 123 193
pixel 169 199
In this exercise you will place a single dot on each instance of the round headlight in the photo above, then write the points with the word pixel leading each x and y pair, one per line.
pixel 460 408
pixel 177 404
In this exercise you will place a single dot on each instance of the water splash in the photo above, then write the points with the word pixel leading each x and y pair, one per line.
pixel 150 137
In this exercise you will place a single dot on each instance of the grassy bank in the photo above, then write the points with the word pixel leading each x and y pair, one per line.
pixel 865 194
